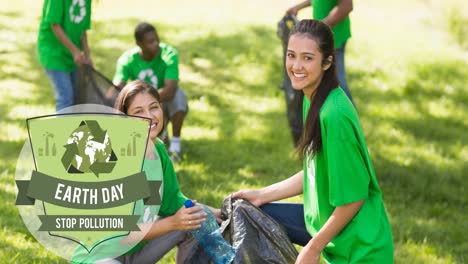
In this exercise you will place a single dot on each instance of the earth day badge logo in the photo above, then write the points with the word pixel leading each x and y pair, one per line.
pixel 89 149
pixel 92 182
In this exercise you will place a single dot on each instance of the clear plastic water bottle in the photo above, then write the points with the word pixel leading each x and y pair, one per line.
pixel 210 239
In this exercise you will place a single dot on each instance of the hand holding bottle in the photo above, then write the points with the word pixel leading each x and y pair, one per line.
pixel 189 218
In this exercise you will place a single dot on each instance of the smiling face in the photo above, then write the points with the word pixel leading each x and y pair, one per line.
pixel 304 63
pixel 145 105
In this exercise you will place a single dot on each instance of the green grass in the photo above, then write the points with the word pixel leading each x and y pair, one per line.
pixel 406 69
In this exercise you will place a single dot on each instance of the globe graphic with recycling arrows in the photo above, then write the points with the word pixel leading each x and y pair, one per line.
pixel 89 150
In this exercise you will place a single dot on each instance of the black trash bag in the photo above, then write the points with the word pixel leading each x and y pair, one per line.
pixel 256 237
pixel 92 87
pixel 285 25
pixel 293 97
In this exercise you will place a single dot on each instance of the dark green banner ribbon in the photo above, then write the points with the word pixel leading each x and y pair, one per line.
pixel 89 222
pixel 88 195
pixel 23 198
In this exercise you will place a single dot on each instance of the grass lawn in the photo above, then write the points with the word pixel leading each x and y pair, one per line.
pixel 407 69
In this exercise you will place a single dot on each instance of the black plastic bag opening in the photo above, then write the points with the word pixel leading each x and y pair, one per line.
pixel 92 87
pixel 257 238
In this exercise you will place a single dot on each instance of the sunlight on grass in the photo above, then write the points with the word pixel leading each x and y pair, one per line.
pixel 401 109
pixel 254 104
pixel 249 127
pixel 8 188
pixel 251 74
pixel 260 11
pixel 18 241
pixel 114 44
pixel 26 111
pixel 413 153
pixel 10 89
pixel 415 253
pixel 202 63
pixel 443 107
pixel 463 153
pixel 194 132
pixel 194 77
pixel 13 132
pixel 202 106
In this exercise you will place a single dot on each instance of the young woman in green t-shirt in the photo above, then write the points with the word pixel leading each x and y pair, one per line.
pixel 138 98
pixel 343 216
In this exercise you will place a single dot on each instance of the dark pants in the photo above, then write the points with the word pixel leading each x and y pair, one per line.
pixel 291 217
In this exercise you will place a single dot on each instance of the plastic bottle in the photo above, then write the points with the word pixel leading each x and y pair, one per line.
pixel 210 239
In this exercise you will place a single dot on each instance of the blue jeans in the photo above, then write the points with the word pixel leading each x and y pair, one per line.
pixel 291 217
pixel 341 71
pixel 64 87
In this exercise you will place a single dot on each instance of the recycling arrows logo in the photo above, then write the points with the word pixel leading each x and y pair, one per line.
pixel 77 18
pixel 89 149
pixel 148 74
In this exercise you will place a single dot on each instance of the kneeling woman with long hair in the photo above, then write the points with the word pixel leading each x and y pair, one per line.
pixel 343 215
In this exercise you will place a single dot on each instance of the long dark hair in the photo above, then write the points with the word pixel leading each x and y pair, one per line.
pixel 322 34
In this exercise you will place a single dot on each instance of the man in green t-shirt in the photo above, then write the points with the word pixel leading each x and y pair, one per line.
pixel 157 64
pixel 63 45
pixel 334 13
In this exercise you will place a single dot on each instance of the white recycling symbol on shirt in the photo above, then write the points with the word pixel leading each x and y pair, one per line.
pixel 148 73
pixel 82 6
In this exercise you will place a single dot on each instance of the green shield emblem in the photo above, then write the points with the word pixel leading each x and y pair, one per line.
pixel 90 177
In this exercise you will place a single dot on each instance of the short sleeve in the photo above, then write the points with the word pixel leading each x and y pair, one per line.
pixel 53 12
pixel 122 71
pixel 87 25
pixel 348 175
pixel 171 59
pixel 173 198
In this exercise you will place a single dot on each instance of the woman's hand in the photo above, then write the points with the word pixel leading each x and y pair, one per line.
pixel 252 196
pixel 217 213
pixel 188 218
pixel 308 256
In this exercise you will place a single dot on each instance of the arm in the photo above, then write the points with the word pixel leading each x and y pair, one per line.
pixel 340 217
pixel 339 12
pixel 293 10
pixel 184 219
pixel 168 91
pixel 85 46
pixel 78 57
pixel 120 84
pixel 122 72
pixel 290 187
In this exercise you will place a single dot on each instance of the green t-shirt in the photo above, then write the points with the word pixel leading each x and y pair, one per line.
pixel 165 66
pixel 75 18
pixel 172 200
pixel 342 30
pixel 342 173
